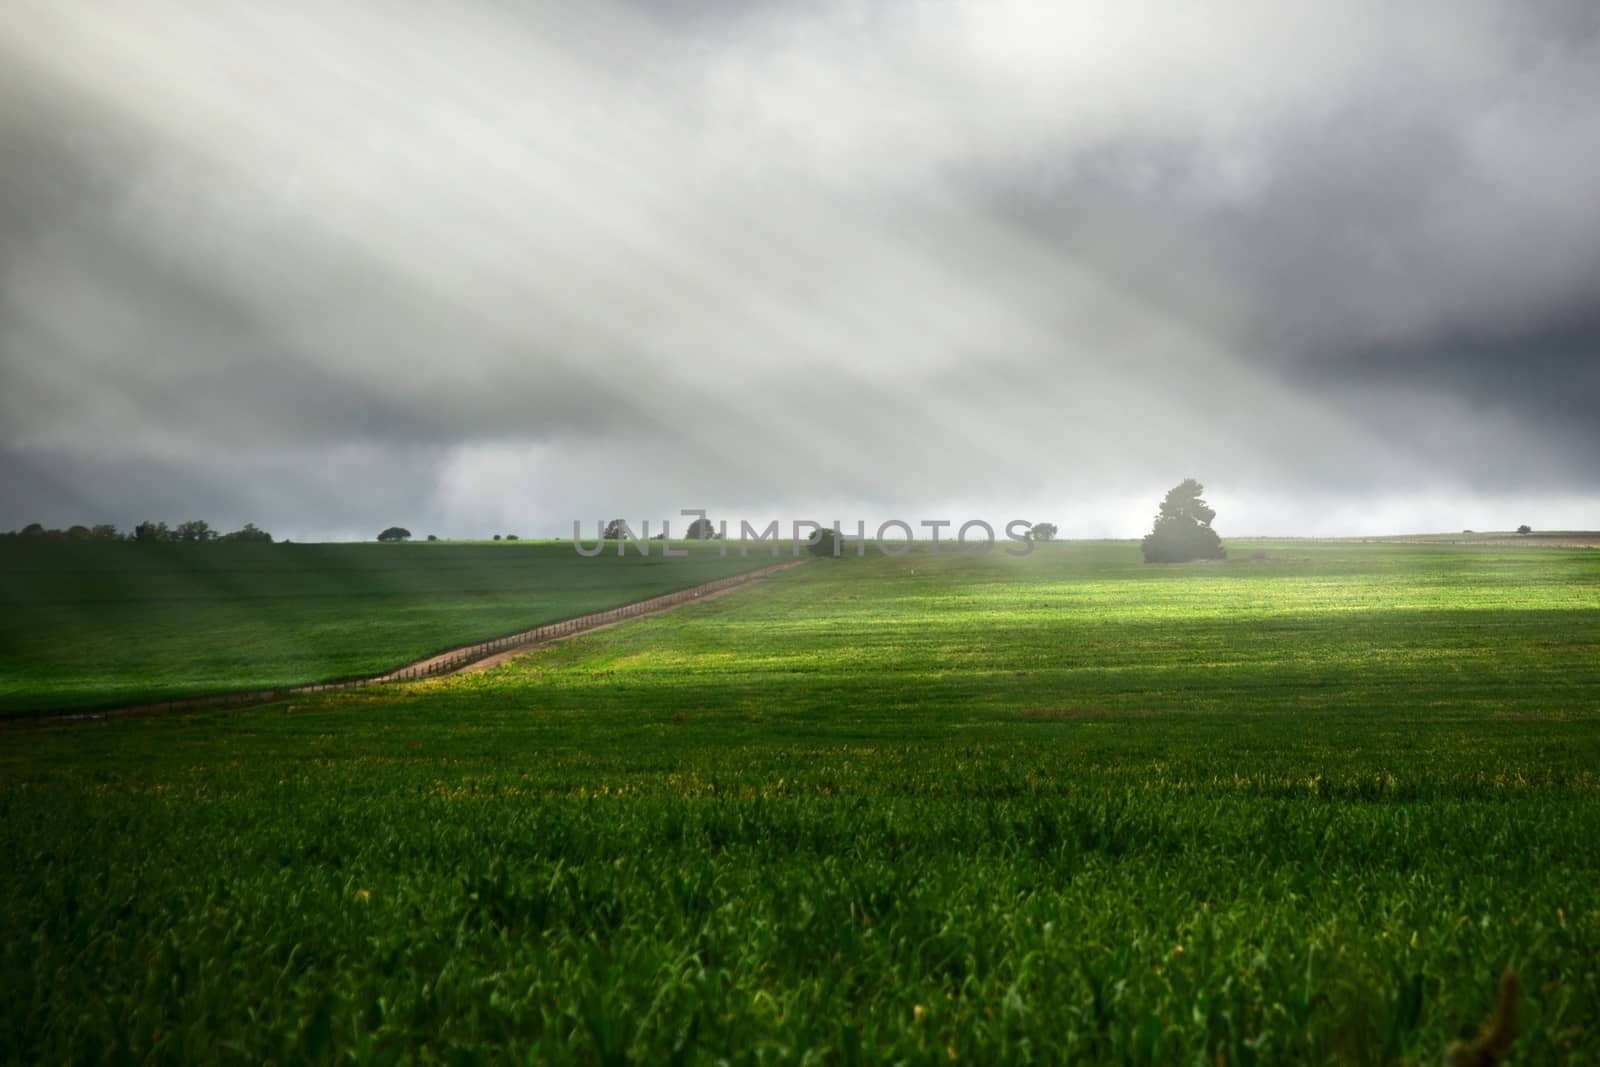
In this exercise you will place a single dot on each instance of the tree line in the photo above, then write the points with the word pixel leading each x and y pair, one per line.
pixel 1182 531
pixel 194 532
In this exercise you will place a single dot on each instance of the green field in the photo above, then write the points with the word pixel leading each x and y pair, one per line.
pixel 1067 808
pixel 100 625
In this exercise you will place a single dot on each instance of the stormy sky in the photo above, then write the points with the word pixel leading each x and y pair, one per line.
pixel 490 267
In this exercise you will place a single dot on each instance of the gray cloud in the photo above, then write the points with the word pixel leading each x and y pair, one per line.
pixel 328 267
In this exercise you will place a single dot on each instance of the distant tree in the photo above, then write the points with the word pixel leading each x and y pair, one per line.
pixel 395 533
pixel 149 533
pixel 1043 531
pixel 104 532
pixel 511 537
pixel 823 542
pixel 615 530
pixel 1524 529
pixel 433 537
pixel 1182 529
pixel 36 532
pixel 248 535
pixel 497 537
pixel 77 533
pixel 194 532
pixel 701 530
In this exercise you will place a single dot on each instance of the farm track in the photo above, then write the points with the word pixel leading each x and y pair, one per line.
pixel 478 656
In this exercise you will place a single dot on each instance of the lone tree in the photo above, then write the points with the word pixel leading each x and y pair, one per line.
pixel 1524 529
pixel 1043 531
pixel 395 533
pixel 701 530
pixel 823 542
pixel 1183 528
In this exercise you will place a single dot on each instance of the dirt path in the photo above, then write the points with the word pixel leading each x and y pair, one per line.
pixel 700 597
pixel 474 657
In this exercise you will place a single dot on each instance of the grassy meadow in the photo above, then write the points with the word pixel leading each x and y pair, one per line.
pixel 100 625
pixel 1061 809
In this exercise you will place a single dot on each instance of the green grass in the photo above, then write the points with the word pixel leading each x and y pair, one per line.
pixel 101 625
pixel 1060 809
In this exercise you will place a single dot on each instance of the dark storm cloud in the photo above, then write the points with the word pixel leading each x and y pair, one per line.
pixel 1551 367
pixel 1375 246
pixel 317 267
